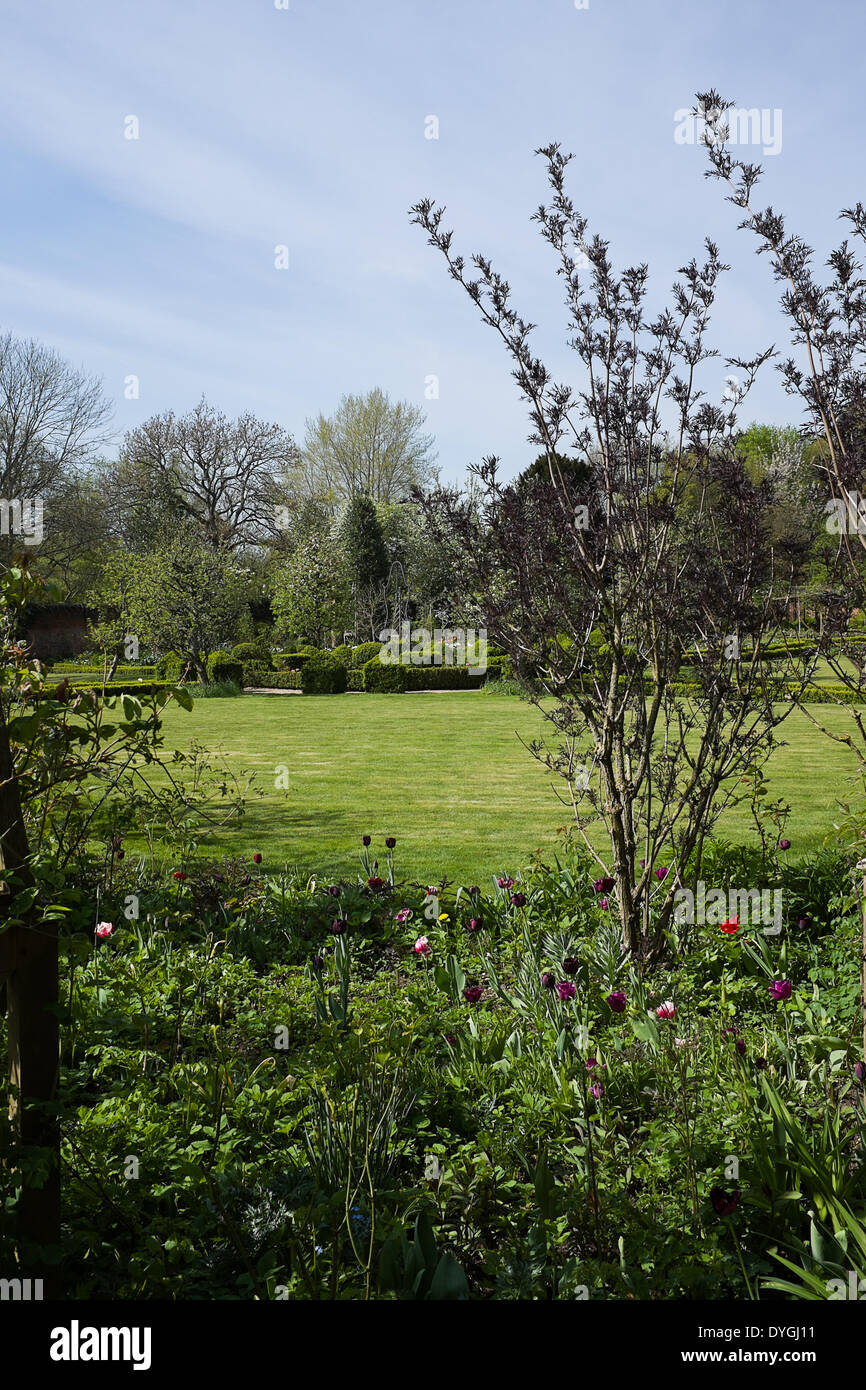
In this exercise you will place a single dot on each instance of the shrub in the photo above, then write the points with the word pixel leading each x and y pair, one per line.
pixel 252 654
pixel 501 687
pixel 499 668
pixel 322 675
pixel 364 653
pixel 354 680
pixel 262 678
pixel 112 688
pixel 388 679
pixel 442 678
pixel 214 690
pixel 343 654
pixel 170 666
pixel 309 649
pixel 222 667
pixel 291 661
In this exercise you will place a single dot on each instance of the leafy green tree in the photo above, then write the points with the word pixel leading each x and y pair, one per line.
pixel 368 445
pixel 310 593
pixel 183 596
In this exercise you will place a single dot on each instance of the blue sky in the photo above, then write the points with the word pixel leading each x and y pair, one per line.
pixel 305 127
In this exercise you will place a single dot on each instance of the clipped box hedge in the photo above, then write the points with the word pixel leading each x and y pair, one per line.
pixel 265 679
pixel 393 678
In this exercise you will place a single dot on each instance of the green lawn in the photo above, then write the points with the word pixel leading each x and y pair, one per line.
pixel 445 773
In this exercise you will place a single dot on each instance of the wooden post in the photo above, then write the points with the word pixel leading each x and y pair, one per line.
pixel 28 964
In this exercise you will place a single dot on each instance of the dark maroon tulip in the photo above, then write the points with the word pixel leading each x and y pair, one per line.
pixel 257 859
pixel 548 979
pixel 375 884
pixel 780 989
pixel 724 1202
pixel 472 993
pixel 390 842
pixel 804 923
pixel 566 990
pixel 318 963
pixel 365 839
pixel 740 1045
pixel 118 854
pixel 617 1001
pixel 179 876
pixel 860 1071
pixel 518 899
pixel 784 844
pixel 334 891
pixel 338 926
pixel 474 891
pixel 571 965
pixel 603 885
pixel 474 924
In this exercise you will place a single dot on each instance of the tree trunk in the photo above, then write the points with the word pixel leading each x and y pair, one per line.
pixel 28 963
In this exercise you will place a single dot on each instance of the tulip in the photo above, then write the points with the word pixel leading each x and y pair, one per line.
pixel 318 963
pixel 518 899
pixel 666 1009
pixel 661 873
pixel 365 839
pixel 390 842
pixel 617 1001
pixel 740 1045
pixel 780 989
pixel 566 990
pixel 338 926
pixel 571 965
pixel 404 915
pixel 548 980
pixel 104 929
pixel 603 885
pixel 375 884
pixel 422 946
pixel 732 925
pixel 474 924
pixel 597 1089
pixel 784 844
pixel 257 859
pixel 860 1071
pixel 472 993
pixel 724 1202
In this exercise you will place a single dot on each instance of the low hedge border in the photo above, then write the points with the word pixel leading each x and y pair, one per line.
pixel 259 677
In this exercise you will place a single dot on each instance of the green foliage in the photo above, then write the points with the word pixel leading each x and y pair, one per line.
pixel 382 678
pixel 222 667
pixel 364 653
pixel 263 678
pixel 252 654
pixel 322 675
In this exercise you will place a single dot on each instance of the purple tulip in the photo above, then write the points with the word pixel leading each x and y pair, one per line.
pixel 548 980
pixel 603 885
pixel 784 844
pixel 780 989
pixel 661 873
pixel 518 899
pixel 390 842
pixel 740 1045
pixel 566 990
pixel 365 839
pixel 338 926
pixel 571 965
pixel 860 1071
pixel 472 993
pixel 617 1001
pixel 597 1089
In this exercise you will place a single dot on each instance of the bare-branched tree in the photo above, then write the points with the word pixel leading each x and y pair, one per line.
pixel 600 580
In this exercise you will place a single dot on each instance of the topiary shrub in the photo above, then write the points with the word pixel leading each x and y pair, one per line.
pixel 291 661
pixel 343 654
pixel 364 653
pixel 222 667
pixel 322 675
pixel 252 654
pixel 260 678
pixel 384 679
pixel 355 680
pixel 170 666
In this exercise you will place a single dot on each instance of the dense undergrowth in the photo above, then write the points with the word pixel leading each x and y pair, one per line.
pixel 276 1087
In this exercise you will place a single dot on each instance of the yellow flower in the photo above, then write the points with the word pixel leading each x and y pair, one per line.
pixel 443 916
